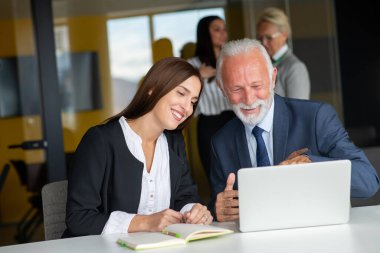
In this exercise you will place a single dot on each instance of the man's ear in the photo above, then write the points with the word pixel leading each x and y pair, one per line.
pixel 221 88
pixel 274 75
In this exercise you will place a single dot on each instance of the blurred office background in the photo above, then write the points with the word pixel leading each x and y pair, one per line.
pixel 66 65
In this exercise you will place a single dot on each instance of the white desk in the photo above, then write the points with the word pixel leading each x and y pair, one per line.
pixel 362 234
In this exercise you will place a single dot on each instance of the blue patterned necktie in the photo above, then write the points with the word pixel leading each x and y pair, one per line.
pixel 262 157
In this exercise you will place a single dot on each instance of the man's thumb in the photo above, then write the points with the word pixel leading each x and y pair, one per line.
pixel 230 182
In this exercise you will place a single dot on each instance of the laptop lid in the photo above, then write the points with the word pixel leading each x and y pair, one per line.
pixel 290 196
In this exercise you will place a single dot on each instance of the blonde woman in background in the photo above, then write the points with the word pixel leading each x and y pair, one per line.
pixel 273 30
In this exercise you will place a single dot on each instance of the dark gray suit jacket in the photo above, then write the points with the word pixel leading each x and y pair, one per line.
pixel 297 124
pixel 106 177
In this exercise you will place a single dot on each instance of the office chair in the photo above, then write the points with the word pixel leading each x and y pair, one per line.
pixel 33 176
pixel 363 136
pixel 54 198
pixel 161 48
pixel 373 155
pixel 3 176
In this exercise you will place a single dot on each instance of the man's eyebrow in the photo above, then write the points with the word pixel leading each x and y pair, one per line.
pixel 256 83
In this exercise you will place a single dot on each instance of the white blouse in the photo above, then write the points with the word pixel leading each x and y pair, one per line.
pixel 212 101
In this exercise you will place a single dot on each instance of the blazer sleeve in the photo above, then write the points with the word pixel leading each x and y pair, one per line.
pixel 217 177
pixel 85 179
pixel 187 191
pixel 334 143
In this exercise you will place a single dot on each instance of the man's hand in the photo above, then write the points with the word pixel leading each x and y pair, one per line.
pixel 227 202
pixel 198 215
pixel 298 156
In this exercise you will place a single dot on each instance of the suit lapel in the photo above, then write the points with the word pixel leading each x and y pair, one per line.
pixel 280 130
pixel 242 147
pixel 175 168
pixel 135 170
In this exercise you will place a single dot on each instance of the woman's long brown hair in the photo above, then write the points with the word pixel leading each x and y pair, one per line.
pixel 162 77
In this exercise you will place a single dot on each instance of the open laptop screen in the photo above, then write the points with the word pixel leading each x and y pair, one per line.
pixel 290 196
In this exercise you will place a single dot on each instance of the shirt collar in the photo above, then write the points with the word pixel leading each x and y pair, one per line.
pixel 129 131
pixel 280 52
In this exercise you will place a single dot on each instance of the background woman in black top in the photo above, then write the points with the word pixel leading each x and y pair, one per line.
pixel 214 110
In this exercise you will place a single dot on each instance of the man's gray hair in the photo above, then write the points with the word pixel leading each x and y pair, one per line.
pixel 243 46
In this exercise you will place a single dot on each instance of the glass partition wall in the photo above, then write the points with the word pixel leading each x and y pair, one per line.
pixel 20 106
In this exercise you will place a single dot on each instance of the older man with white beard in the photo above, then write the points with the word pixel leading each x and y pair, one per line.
pixel 272 130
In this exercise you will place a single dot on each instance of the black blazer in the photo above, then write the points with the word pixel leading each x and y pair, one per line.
pixel 106 177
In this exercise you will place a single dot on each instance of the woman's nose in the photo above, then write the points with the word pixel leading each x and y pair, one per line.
pixel 188 106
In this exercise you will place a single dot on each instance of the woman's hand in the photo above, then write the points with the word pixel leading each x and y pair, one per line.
pixel 198 215
pixel 207 71
pixel 155 222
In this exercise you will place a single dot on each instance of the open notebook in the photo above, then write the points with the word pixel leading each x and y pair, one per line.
pixel 175 234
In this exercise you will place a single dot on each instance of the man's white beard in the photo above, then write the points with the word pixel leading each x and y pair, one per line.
pixel 253 119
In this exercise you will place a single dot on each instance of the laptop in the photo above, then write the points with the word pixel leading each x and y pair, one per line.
pixel 292 196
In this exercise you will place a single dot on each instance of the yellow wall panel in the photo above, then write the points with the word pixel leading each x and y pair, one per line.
pixel 85 34
pixel 24 37
pixel 7 38
pixel 16 40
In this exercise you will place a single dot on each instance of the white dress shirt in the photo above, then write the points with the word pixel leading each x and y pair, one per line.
pixel 267 125
pixel 155 185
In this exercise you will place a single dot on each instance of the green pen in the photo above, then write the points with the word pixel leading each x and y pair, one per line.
pixel 171 234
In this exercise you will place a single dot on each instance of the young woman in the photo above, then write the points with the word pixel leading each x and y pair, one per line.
pixel 131 173
pixel 214 110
